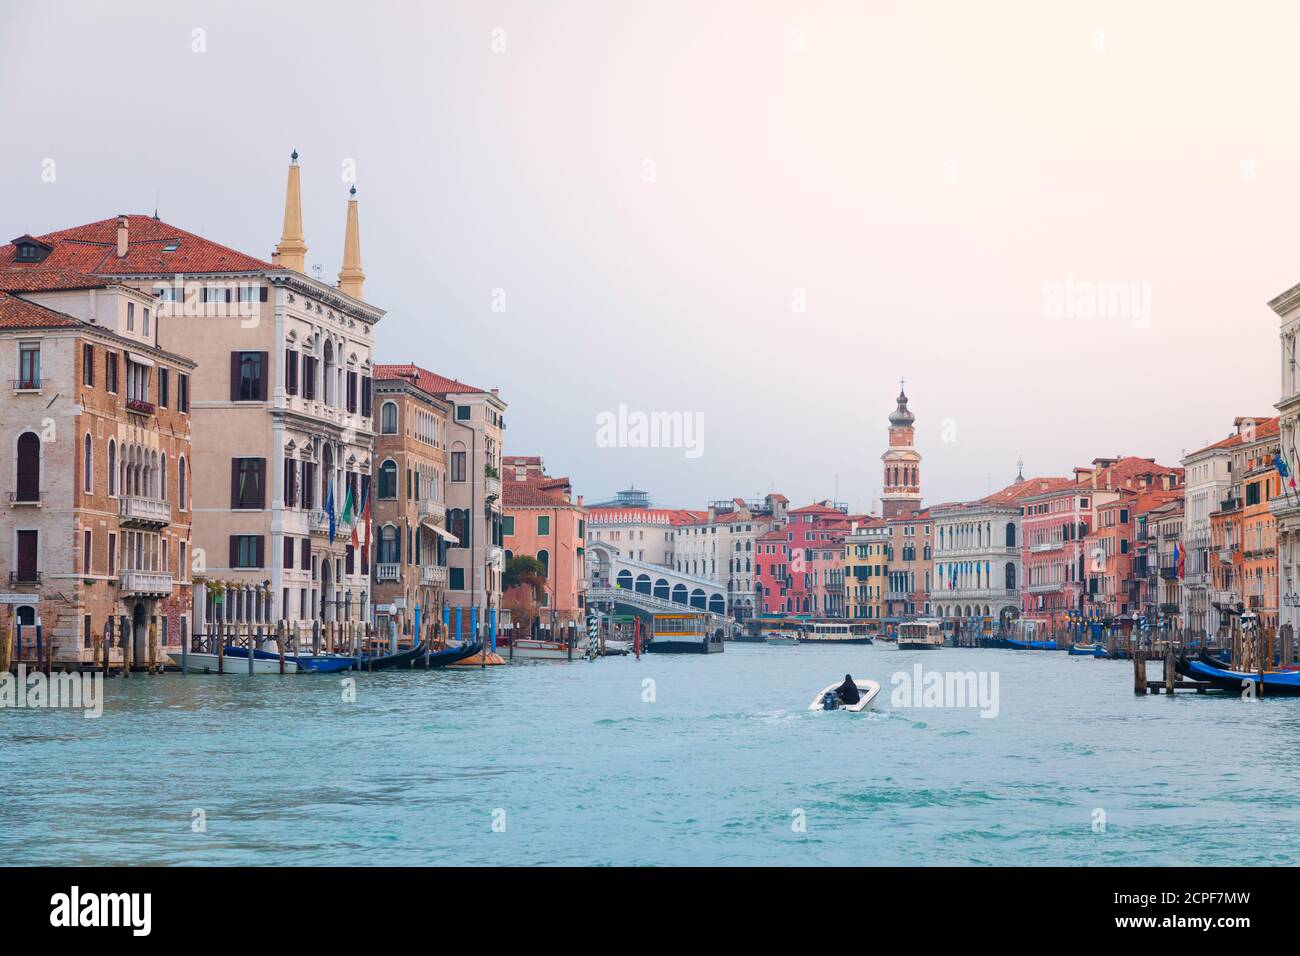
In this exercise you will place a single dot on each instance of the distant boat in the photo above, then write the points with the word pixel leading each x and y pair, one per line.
pixel 1088 650
pixel 236 662
pixel 685 633
pixel 542 650
pixel 1031 645
pixel 832 632
pixel 919 636
pixel 781 640
pixel 304 663
pixel 615 648
pixel 868 691
pixel 413 657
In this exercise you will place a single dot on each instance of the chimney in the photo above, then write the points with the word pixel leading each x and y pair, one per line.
pixel 123 228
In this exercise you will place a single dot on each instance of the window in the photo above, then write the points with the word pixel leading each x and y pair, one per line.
pixel 110 371
pixel 456 579
pixel 164 387
pixel 507 525
pixel 246 551
pixel 457 466
pixel 388 480
pixel 28 468
pixel 180 489
pixel 352 392
pixel 112 467
pixel 29 365
pixel 85 552
pixel 388 418
pixel 291 371
pixel 183 392
pixel 130 316
pixel 246 483
pixel 88 364
pixel 543 525
pixel 287 556
pixel 86 471
pixel 248 376
pixel 462 413
pixel 390 546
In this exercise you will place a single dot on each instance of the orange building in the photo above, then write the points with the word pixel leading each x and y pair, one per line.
pixel 541 519
pixel 1243 529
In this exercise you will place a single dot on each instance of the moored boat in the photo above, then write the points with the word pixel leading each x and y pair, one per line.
pixel 1088 650
pixel 1031 645
pixel 833 632
pixel 542 650
pixel 685 633
pixel 919 635
pixel 779 639
pixel 1269 684
pixel 236 662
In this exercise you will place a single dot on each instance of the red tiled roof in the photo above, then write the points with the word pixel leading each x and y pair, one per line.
pixel 20 279
pixel 425 381
pixel 1264 428
pixel 92 249
pixel 1122 471
pixel 536 492
pixel 16 313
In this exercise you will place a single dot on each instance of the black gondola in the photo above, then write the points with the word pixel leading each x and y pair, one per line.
pixel 414 658
pixel 1211 661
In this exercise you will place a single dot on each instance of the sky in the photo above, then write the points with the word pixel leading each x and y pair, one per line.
pixel 1060 223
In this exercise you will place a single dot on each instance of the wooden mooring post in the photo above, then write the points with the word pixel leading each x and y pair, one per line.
pixel 280 628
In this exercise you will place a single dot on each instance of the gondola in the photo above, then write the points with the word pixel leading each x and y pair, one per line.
pixel 1275 683
pixel 301 663
pixel 1088 650
pixel 1031 645
pixel 413 657
pixel 1216 662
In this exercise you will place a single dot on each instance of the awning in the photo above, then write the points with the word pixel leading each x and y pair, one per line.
pixel 139 359
pixel 445 535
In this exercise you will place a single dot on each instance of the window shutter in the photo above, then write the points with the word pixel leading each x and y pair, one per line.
pixel 306 554
pixel 288 483
pixel 288 553
pixel 234 550
pixel 261 551
pixel 234 376
pixel 261 478
pixel 291 371
pixel 234 484
pixel 265 369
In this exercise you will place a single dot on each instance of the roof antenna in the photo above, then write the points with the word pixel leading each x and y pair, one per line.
pixel 156 194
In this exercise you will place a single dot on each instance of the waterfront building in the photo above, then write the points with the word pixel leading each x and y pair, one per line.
pixel 98 490
pixel 541 519
pixel 720 545
pixel 1166 562
pixel 866 568
pixel 911 563
pixel 408 520
pixel 901 494
pixel 1115 591
pixel 640 531
pixel 977 555
pixel 473 444
pixel 790 577
pixel 1208 482
pixel 1054 524
pixel 1261 484
pixel 1286 507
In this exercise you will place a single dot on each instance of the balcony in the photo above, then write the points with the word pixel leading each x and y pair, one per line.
pixel 1048 588
pixel 140 406
pixel 145 583
pixel 1169 609
pixel 435 510
pixel 318 522
pixel 20 578
pixel 28 383
pixel 1169 574
pixel 1225 555
pixel 492 486
pixel 388 572
pixel 138 510
pixel 431 575
pixel 1229 504
pixel 26 499
pixel 1046 546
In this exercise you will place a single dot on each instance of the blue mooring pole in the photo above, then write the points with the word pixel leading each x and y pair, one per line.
pixel 459 618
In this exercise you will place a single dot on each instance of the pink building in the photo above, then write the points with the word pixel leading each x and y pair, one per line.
pixel 800 568
pixel 541 518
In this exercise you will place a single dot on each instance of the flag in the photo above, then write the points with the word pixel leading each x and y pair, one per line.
pixel 1179 559
pixel 1280 464
pixel 349 506
pixel 329 509
pixel 363 518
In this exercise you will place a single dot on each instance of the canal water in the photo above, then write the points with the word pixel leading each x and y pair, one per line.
pixel 669 760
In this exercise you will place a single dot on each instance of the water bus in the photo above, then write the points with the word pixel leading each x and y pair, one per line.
pixel 685 633
pixel 919 635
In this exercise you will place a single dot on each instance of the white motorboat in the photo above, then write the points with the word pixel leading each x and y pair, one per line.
pixel 868 691
pixel 777 639
pixel 207 664
pixel 539 650
pixel 614 648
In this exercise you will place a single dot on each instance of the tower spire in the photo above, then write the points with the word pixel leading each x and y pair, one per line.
pixel 291 252
pixel 351 279
pixel 1020 469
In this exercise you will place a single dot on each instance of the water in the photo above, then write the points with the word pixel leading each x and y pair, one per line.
pixel 712 772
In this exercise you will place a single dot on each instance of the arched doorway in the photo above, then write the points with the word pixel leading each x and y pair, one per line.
pixel 326 589
pixel 139 632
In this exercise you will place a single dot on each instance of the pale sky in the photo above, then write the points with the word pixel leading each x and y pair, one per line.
pixel 915 173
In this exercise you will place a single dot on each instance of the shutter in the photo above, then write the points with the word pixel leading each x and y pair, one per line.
pixel 365 396
pixel 261 551
pixel 290 367
pixel 234 376
pixel 288 482
pixel 288 553
pixel 234 483
pixel 234 550
pixel 261 480
pixel 265 369
pixel 306 554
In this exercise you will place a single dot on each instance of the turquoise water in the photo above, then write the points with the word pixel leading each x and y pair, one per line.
pixel 716 770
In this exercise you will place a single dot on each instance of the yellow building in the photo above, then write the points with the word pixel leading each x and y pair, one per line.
pixel 866 571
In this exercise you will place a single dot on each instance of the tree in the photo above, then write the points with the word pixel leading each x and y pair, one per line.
pixel 524 569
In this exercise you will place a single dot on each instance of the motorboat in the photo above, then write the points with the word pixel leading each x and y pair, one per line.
pixel 828 699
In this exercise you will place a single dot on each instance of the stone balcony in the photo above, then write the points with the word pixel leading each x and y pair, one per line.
pixel 1048 587
pixel 1046 546
pixel 145 583
pixel 431 575
pixel 318 522
pixel 388 572
pixel 139 510
pixel 491 486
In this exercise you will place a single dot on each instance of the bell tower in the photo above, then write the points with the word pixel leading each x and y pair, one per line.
pixel 902 462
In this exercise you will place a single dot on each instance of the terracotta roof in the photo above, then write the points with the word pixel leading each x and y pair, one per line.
pixel 1122 471
pixel 1264 428
pixel 19 279
pixel 425 381
pixel 92 249
pixel 1008 496
pixel 16 313
pixel 536 492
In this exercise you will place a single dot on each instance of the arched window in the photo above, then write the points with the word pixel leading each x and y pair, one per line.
pixel 388 418
pixel 1011 534
pixel 545 558
pixel 679 593
pixel 624 579
pixel 162 478
pixel 86 471
pixel 661 589
pixel 697 598
pixel 1011 575
pixel 112 467
pixel 28 468
pixel 388 480
pixel 180 491
pixel 390 545
pixel 643 584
